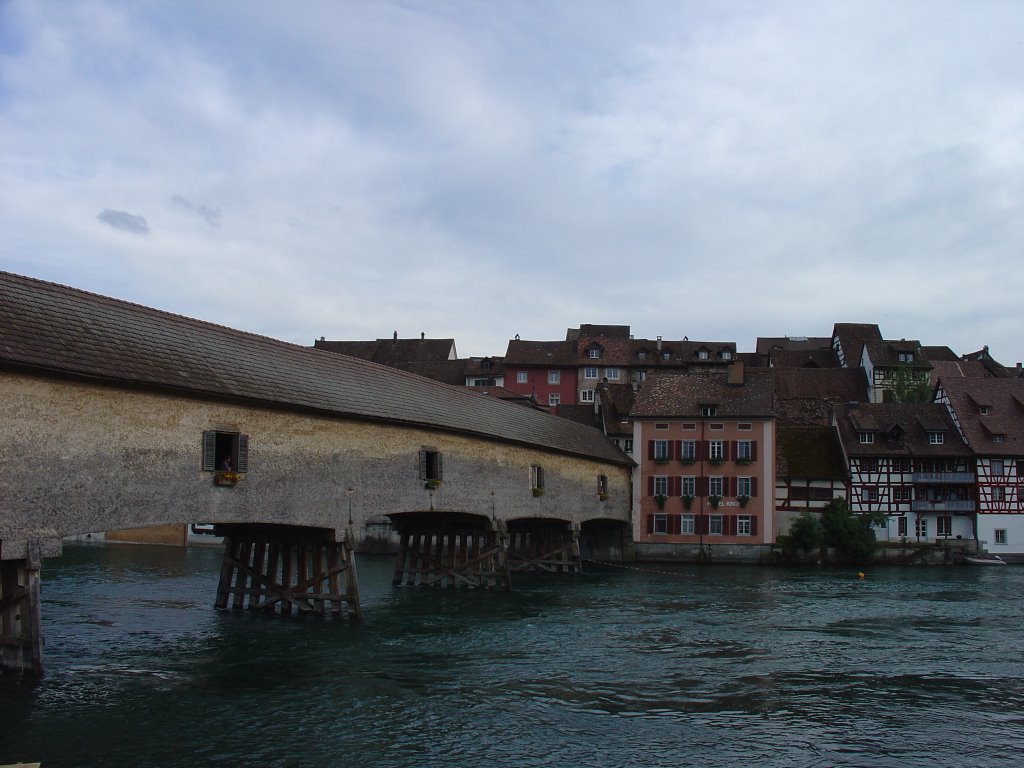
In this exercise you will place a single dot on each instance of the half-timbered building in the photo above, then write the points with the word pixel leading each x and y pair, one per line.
pixel 989 414
pixel 909 462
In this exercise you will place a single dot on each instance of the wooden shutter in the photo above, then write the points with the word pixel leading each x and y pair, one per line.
pixel 243 453
pixel 440 466
pixel 650 449
pixel 423 464
pixel 700 525
pixel 650 485
pixel 753 486
pixel 729 525
pixel 733 449
pixel 701 484
pixel 702 450
pixel 675 486
pixel 753 526
pixel 753 450
pixel 209 451
pixel 725 451
pixel 650 524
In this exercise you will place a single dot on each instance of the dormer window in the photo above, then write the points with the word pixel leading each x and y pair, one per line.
pixel 936 438
pixel 709 410
pixel 702 354
pixel 642 355
pixel 594 353
pixel 905 357
pixel 867 438
pixel 666 355
pixel 998 438
pixel 726 355
pixel 983 410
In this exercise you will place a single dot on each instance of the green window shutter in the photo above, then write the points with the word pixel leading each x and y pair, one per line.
pixel 209 451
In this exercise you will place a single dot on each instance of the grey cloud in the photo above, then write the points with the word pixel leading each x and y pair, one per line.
pixel 211 215
pixel 126 222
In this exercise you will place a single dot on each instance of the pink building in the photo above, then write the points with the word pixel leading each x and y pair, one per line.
pixel 705 447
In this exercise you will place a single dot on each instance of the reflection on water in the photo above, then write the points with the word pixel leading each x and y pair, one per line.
pixel 620 667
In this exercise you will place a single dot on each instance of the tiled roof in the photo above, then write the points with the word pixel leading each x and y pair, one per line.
pixel 553 353
pixel 811 358
pixel 852 337
pixel 683 395
pixel 812 453
pixel 768 344
pixel 936 354
pixel 616 402
pixel 910 423
pixel 886 354
pixel 1004 399
pixel 394 352
pixel 603 331
pixel 63 331
pixel 810 396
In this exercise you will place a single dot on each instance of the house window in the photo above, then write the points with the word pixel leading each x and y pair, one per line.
pixel 642 355
pixel 867 438
pixel 869 465
pixel 708 410
pixel 744 427
pixel 944 526
pixel 686 524
pixel 999 494
pixel 627 445
pixel 689 426
pixel 431 464
pixel 688 450
pixel 689 486
pixel 612 373
pixel 661 524
pixel 905 357
pixel 225 451
pixel 590 372
pixel 716 450
pixel 660 449
pixel 554 399
pixel 984 410
pixel 743 525
pixel 660 485
pixel 998 467
pixel 661 426
pixel 715 525
pixel 537 477
pixel 869 494
pixel 666 355
pixel 998 438
pixel 901 526
pixel 594 353
pixel 602 483
pixel 743 452
pixel 901 494
pixel 921 527
pixel 554 377
pixel 743 486
pixel 715 486
pixel 936 438
pixel 726 354
pixel 1000 536
pixel 587 396
pixel 702 354
pixel 901 466
pixel 716 426
pixel 520 377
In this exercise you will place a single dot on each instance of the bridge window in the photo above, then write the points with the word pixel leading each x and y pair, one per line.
pixel 537 477
pixel 431 464
pixel 602 484
pixel 225 451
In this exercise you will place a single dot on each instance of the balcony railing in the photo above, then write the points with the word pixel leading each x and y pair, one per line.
pixel 943 477
pixel 942 506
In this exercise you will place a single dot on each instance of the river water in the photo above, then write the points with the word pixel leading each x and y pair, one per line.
pixel 648 666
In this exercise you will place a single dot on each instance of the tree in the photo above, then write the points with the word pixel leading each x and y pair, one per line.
pixel 909 387
pixel 851 535
pixel 805 533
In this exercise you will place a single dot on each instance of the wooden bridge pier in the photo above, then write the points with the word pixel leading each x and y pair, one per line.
pixel 544 546
pixel 21 633
pixel 450 550
pixel 288 569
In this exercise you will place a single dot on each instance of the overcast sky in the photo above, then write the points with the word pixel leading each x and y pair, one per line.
pixel 477 170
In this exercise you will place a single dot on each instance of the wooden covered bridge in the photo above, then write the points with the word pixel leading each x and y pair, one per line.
pixel 115 415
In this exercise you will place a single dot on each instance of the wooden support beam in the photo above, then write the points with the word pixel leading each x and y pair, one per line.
pixel 541 546
pixel 21 632
pixel 434 551
pixel 269 567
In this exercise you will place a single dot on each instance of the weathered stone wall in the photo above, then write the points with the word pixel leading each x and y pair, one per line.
pixel 77 457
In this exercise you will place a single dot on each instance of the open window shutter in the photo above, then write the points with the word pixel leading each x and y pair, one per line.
pixel 731 491
pixel 702 486
pixel 650 524
pixel 671 447
pixel 676 486
pixel 650 485
pixel 753 526
pixel 209 451
pixel 440 466
pixel 701 525
pixel 423 465
pixel 243 453
pixel 675 523
pixel 702 450
pixel 730 525
pixel 679 449
pixel 732 449
pixel 753 450
pixel 753 486
pixel 726 455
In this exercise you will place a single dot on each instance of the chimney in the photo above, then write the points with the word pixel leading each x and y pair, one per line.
pixel 423 335
pixel 396 336
pixel 659 343
pixel 735 375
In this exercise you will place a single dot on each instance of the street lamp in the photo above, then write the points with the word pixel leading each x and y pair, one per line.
pixel 348 492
